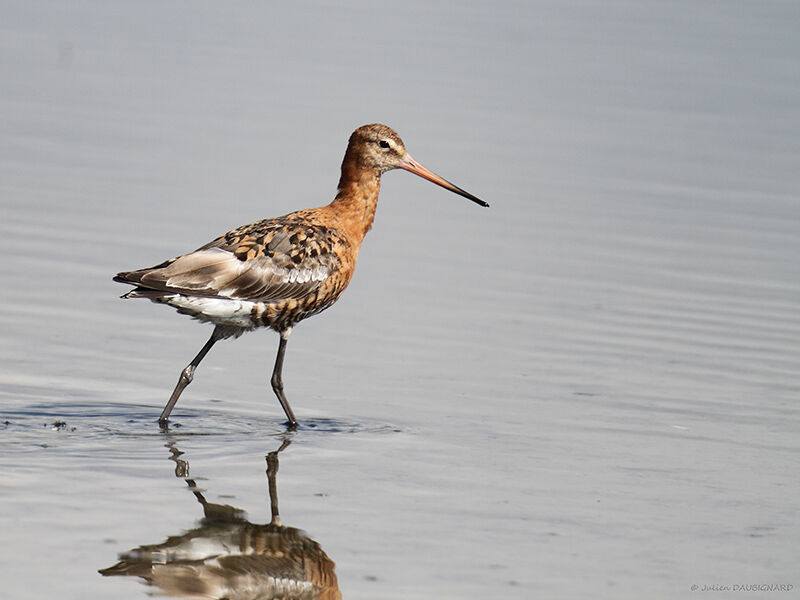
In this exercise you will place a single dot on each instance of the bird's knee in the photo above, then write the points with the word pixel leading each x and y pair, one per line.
pixel 187 375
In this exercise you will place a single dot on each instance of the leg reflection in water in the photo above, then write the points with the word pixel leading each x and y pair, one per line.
pixel 226 556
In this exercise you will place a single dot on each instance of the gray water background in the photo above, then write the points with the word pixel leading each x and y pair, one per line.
pixel 589 390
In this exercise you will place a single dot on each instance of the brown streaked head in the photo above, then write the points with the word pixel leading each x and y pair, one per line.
pixel 379 147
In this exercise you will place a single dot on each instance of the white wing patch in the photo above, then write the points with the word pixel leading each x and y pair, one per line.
pixel 218 272
pixel 284 276
pixel 305 275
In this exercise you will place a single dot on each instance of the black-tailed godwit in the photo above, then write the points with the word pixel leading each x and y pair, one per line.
pixel 277 272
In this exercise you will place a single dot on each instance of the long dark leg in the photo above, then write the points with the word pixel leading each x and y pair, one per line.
pixel 186 377
pixel 277 379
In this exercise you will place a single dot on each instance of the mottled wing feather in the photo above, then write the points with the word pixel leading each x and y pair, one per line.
pixel 271 260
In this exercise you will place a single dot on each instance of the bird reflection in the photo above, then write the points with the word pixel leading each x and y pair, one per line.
pixel 228 557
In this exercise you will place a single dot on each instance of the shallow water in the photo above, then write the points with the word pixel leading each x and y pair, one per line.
pixel 587 390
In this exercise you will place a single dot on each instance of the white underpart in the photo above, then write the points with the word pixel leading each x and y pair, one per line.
pixel 220 311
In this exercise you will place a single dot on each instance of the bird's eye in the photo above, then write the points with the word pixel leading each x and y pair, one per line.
pixel 384 144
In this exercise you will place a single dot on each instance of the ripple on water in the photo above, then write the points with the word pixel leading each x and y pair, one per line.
pixel 124 420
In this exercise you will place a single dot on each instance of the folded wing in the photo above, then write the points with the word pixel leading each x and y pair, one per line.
pixel 266 262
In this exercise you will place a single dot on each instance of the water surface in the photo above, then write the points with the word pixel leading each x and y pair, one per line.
pixel 587 390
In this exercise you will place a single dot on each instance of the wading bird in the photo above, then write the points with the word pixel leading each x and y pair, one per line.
pixel 276 272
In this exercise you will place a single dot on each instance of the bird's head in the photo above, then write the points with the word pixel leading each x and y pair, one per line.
pixel 379 148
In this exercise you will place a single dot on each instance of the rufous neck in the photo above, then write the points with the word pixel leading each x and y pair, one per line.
pixel 356 199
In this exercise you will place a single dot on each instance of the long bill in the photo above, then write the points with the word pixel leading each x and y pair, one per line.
pixel 412 166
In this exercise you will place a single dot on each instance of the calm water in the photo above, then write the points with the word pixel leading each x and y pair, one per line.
pixel 587 391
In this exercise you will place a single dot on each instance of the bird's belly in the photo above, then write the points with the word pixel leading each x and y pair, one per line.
pixel 244 315
pixel 228 312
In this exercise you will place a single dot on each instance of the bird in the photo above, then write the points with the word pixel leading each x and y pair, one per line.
pixel 279 271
